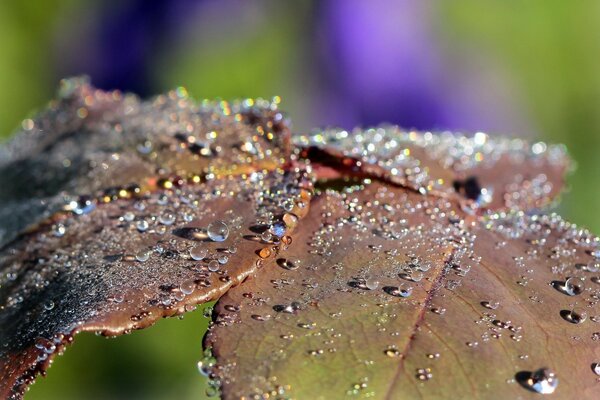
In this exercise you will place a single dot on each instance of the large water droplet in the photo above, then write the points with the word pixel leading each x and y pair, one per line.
pixel 542 381
pixel 573 286
pixel 142 225
pixel 143 255
pixel 198 253
pixel 575 316
pixel 167 217
pixel 218 231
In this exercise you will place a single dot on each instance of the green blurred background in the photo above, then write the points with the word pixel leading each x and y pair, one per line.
pixel 524 68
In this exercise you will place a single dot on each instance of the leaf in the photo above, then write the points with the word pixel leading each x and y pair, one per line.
pixel 493 173
pixel 420 268
pixel 118 259
pixel 395 295
pixel 94 143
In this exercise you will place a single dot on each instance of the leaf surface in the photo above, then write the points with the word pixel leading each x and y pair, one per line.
pixel 94 143
pixel 397 296
pixel 482 171
pixel 118 197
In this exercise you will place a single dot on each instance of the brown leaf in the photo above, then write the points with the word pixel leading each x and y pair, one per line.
pixel 388 294
pixel 130 262
pixel 487 172
pixel 93 143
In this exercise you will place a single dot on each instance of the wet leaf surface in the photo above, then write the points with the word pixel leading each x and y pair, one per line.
pixel 421 268
pixel 395 295
pixel 129 262
pixel 487 172
pixel 95 143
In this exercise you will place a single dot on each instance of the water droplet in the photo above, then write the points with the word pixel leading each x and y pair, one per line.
pixel 187 287
pixel 424 374
pixel 573 286
pixel 198 253
pixel 277 229
pixel 290 220
pixel 266 236
pixel 222 259
pixel 492 305
pixel 83 205
pixel 265 252
pixel 143 255
pixel 392 352
pixel 218 231
pixel 142 225
pixel 542 381
pixel 399 291
pixel 371 283
pixel 287 264
pixel 575 316
pixel 59 230
pixel 167 217
pixel 213 265
pixel 49 305
pixel 596 368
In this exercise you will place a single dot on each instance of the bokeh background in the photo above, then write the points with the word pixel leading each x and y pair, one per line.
pixel 524 68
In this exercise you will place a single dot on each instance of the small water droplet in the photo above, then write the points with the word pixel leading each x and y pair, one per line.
pixel 59 230
pixel 198 253
pixel 142 225
pixel 277 229
pixel 218 231
pixel 492 305
pixel 596 368
pixel 213 265
pixel 424 374
pixel 187 287
pixel 49 305
pixel 399 291
pixel 167 217
pixel 575 316
pixel 287 264
pixel 574 286
pixel 391 352
pixel 143 255
pixel 542 381
pixel 371 283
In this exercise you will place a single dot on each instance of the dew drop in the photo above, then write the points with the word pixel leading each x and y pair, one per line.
pixel 49 305
pixel 371 283
pixel 492 305
pixel 277 229
pixel 391 352
pixel 59 230
pixel 218 231
pixel 198 253
pixel 287 264
pixel 542 381
pixel 213 265
pixel 142 225
pixel 399 291
pixel 424 374
pixel 187 287
pixel 143 255
pixel 167 217
pixel 575 316
pixel 573 286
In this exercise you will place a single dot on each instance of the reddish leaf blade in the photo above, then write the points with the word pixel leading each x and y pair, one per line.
pixel 94 143
pixel 339 325
pixel 129 262
pixel 493 173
